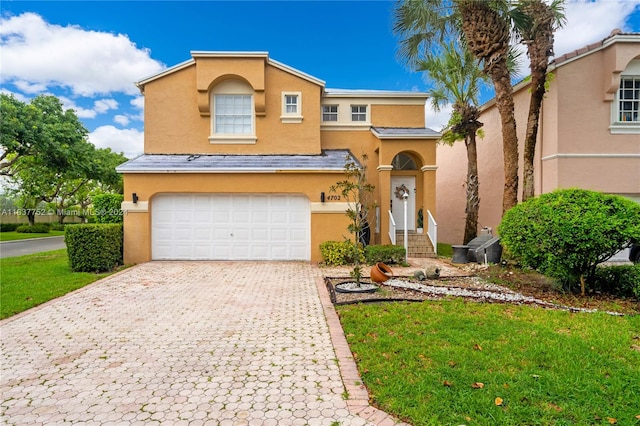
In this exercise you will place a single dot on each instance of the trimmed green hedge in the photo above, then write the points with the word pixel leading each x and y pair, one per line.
pixel 94 248
pixel 388 254
pixel 9 227
pixel 38 228
pixel 338 253
pixel 108 208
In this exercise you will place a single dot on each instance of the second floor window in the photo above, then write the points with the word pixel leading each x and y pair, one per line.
pixel 233 114
pixel 629 100
pixel 358 113
pixel 291 104
pixel 329 112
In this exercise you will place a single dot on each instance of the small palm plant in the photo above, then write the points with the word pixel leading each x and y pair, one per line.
pixel 358 194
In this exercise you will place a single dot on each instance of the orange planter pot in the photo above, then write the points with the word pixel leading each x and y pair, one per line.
pixel 380 272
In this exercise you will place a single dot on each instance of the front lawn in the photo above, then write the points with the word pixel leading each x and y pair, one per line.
pixel 457 362
pixel 12 236
pixel 27 281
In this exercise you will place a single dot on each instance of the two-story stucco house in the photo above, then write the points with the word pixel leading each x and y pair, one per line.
pixel 240 152
pixel 589 135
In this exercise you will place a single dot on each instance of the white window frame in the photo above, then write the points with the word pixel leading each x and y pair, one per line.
pixel 632 72
pixel 291 117
pixel 330 113
pixel 359 113
pixel 232 88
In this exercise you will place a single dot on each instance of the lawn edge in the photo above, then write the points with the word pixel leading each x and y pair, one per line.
pixel 357 394
pixel 55 299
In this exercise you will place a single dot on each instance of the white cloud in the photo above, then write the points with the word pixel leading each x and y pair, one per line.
pixel 103 105
pixel 591 21
pixel 30 88
pixel 138 102
pixel 80 111
pixel 128 141
pixel 123 120
pixel 438 120
pixel 87 62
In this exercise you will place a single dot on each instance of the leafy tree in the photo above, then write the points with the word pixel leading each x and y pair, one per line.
pixel 539 20
pixel 456 79
pixel 485 28
pixel 41 128
pixel 356 190
pixel 566 233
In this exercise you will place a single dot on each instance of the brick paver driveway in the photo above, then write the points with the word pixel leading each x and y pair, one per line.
pixel 177 343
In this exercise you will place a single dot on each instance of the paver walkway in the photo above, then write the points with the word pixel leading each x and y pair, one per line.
pixel 237 343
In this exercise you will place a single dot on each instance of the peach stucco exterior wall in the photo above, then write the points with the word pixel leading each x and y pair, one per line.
pixel 575 146
pixel 175 122
pixel 397 115
pixel 325 225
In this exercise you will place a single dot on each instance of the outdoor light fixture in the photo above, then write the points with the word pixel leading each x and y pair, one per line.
pixel 322 197
pixel 134 197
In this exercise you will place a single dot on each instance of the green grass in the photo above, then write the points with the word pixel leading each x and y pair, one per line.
pixel 12 236
pixel 421 360
pixel 28 281
pixel 445 250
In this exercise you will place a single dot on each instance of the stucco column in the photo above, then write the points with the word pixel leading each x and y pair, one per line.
pixel 429 191
pixel 384 179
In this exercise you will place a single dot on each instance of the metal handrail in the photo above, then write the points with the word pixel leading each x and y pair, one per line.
pixel 392 228
pixel 432 231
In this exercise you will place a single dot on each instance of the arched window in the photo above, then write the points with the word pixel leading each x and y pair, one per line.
pixel 403 161
pixel 233 116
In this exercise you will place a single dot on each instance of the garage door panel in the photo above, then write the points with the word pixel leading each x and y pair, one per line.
pixel 230 226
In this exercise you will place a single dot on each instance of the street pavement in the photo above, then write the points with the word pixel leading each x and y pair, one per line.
pixel 33 245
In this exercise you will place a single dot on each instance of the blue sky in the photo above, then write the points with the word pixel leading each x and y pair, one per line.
pixel 90 53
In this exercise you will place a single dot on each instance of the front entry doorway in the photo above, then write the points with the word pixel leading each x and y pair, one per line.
pixel 400 184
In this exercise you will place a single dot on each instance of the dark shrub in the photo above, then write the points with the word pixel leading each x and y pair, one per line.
pixel 619 280
pixel 38 228
pixel 9 227
pixel 57 226
pixel 389 254
pixel 107 208
pixel 565 234
pixel 94 248
pixel 337 253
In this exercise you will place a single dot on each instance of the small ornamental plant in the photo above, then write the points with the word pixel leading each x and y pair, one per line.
pixel 359 196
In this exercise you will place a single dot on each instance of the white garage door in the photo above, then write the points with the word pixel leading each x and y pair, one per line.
pixel 230 227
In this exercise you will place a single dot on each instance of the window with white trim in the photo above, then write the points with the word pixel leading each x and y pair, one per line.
pixel 358 113
pixel 291 107
pixel 232 113
pixel 629 100
pixel 329 112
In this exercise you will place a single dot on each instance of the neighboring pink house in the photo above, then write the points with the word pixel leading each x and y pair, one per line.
pixel 589 135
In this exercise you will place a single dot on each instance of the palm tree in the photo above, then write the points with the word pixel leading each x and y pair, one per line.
pixel 485 28
pixel 536 27
pixel 456 80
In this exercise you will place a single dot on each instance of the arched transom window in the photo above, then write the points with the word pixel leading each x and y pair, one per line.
pixel 404 161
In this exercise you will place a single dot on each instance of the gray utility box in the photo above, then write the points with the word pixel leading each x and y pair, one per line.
pixel 485 243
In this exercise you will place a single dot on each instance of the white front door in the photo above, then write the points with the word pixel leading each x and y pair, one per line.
pixel 398 186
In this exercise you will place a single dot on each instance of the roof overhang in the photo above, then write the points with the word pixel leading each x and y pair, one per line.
pixel 329 161
pixel 405 133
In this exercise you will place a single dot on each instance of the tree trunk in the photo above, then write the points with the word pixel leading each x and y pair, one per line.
pixel 31 216
pixel 504 100
pixel 537 94
pixel 473 189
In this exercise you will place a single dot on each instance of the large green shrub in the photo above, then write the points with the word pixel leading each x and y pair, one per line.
pixel 9 227
pixel 38 228
pixel 619 280
pixel 94 248
pixel 389 254
pixel 338 253
pixel 565 234
pixel 107 208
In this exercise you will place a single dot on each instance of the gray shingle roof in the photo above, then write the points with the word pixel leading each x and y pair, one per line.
pixel 420 132
pixel 328 160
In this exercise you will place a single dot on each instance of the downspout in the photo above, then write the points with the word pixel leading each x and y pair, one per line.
pixel 540 146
